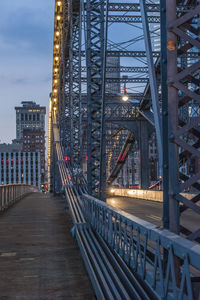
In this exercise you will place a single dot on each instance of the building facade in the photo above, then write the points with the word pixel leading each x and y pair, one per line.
pixel 10 147
pixel 113 65
pixel 29 116
pixel 34 141
pixel 20 168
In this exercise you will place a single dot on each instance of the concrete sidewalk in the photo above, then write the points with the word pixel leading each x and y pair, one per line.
pixel 39 258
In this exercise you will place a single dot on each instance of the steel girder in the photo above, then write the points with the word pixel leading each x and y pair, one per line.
pixel 133 7
pixel 122 69
pixel 184 134
pixel 115 112
pixel 75 82
pixel 142 54
pixel 63 99
pixel 95 60
pixel 152 81
pixel 122 80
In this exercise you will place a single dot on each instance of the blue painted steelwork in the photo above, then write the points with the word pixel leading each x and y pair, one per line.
pixel 125 257
pixel 141 245
pixel 124 254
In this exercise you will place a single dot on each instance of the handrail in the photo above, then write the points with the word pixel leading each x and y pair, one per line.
pixel 11 193
pixel 148 251
pixel 133 239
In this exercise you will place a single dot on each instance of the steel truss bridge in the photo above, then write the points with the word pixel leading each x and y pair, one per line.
pixel 99 44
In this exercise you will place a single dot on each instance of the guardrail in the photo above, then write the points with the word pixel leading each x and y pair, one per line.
pixel 126 257
pixel 11 193
pixel 142 194
pixel 151 253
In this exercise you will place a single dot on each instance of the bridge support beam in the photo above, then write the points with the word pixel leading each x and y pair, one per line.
pixel 144 154
pixel 95 60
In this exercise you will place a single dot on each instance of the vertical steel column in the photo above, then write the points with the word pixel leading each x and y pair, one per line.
pixel 173 121
pixel 63 79
pixel 75 80
pixel 182 41
pixel 95 77
pixel 144 155
pixel 102 188
pixel 164 92
pixel 152 81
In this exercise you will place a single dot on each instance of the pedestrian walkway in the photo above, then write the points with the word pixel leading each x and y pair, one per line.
pixel 39 258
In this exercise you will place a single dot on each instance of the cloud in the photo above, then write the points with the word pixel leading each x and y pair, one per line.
pixel 26 46
pixel 25 28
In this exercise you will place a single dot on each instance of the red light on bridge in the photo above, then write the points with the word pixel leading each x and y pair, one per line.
pixel 86 158
pixel 67 158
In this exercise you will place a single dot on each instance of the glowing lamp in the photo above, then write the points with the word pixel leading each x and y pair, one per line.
pixel 125 98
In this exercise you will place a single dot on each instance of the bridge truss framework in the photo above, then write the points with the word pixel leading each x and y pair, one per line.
pixel 168 102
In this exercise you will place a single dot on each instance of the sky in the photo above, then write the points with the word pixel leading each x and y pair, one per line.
pixel 26 51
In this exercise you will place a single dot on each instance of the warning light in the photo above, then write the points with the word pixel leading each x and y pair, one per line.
pixel 171 45
pixel 67 158
pixel 86 158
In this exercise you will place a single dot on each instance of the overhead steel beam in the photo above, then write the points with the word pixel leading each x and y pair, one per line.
pixel 131 7
pixel 122 80
pixel 135 7
pixel 142 54
pixel 132 19
pixel 122 69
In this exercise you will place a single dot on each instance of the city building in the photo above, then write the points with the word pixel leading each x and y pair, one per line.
pixel 20 168
pixel 30 130
pixel 113 67
pixel 29 116
pixel 10 147
pixel 34 141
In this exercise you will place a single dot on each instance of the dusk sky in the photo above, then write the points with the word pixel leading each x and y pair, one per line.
pixel 26 43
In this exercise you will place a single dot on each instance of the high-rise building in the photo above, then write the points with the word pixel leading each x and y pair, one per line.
pixel 113 71
pixel 30 130
pixel 29 116
pixel 34 141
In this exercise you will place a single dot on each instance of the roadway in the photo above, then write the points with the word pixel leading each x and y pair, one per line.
pixel 151 211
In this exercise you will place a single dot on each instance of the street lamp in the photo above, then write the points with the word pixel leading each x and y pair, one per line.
pixel 124 91
pixel 125 97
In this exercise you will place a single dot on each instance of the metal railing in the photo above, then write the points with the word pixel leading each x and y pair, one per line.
pixel 11 193
pixel 143 246
pixel 126 257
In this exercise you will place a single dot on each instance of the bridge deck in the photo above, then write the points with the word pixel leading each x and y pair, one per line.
pixel 39 259
pixel 151 211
